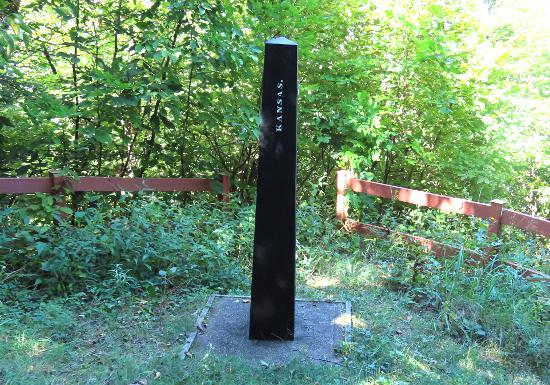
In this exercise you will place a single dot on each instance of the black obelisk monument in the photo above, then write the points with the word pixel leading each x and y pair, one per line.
pixel 274 266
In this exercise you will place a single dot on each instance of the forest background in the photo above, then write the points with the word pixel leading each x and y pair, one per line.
pixel 445 96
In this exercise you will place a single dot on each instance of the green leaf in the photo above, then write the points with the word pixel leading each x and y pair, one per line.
pixel 40 247
pixel 122 101
pixel 14 24
pixel 9 41
pixel 103 137
pixel 65 209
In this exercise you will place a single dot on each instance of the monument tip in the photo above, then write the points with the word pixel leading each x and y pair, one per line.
pixel 281 40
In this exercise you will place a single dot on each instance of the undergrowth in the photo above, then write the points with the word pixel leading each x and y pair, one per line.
pixel 145 247
pixel 143 243
pixel 472 302
pixel 461 231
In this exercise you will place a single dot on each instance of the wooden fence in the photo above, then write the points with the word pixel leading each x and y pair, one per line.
pixel 495 212
pixel 61 185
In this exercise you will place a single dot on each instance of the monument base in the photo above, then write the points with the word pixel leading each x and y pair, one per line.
pixel 222 329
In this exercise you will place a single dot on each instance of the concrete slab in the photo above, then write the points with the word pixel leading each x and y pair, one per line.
pixel 222 329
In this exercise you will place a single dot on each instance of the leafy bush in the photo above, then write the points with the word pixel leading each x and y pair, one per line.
pixel 145 243
pixel 142 242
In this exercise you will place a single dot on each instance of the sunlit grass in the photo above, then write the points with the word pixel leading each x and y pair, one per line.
pixel 140 337
pixel 27 345
pixel 322 282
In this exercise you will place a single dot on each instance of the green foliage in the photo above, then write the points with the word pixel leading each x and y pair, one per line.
pixel 147 245
pixel 141 243
pixel 472 303
pixel 452 323
pixel 422 94
pixel 516 98
pixel 460 231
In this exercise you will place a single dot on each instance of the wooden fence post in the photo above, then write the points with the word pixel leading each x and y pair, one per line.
pixel 495 227
pixel 58 191
pixel 226 183
pixel 342 180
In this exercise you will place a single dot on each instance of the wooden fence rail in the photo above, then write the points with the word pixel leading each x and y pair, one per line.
pixel 58 185
pixel 494 212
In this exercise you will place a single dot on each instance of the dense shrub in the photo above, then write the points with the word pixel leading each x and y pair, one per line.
pixel 141 242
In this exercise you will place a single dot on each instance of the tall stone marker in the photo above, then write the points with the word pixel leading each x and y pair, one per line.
pixel 274 266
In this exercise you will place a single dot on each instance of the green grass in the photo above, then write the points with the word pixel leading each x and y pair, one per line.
pixel 416 320
pixel 119 342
